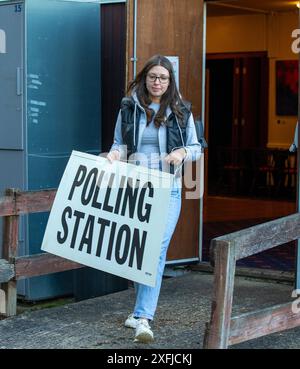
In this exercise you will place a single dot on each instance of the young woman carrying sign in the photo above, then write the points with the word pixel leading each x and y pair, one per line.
pixel 158 128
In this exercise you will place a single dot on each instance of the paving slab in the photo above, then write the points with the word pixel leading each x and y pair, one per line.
pixel 184 308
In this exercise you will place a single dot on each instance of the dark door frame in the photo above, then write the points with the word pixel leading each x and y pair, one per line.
pixel 297 267
pixel 113 67
pixel 264 84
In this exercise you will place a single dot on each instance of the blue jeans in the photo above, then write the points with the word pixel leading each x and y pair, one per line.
pixel 147 297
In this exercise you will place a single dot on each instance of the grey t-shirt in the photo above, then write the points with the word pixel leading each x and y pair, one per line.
pixel 149 143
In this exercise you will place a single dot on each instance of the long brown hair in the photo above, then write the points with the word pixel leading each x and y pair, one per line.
pixel 170 98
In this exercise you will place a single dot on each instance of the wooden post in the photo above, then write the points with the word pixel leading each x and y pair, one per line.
pixel 218 330
pixel 10 249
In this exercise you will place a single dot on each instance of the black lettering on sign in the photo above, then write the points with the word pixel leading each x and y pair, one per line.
pixel 106 205
pixel 79 215
pixel 120 259
pixel 79 178
pixel 87 236
pixel 92 176
pixel 95 203
pixel 137 248
pixel 119 195
pixel 67 212
pixel 104 223
pixel 130 197
pixel 111 240
pixel 145 217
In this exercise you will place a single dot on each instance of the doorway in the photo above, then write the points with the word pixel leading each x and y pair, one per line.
pixel 237 118
pixel 237 128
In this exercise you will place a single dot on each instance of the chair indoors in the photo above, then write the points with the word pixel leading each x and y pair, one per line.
pixel 287 184
pixel 231 170
pixel 265 172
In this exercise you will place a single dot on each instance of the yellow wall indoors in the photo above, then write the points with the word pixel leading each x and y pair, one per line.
pixel 271 33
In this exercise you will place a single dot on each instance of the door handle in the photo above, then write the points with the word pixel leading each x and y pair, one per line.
pixel 19 81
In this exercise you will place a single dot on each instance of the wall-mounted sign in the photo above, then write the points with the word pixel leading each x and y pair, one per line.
pixel 175 63
pixel 2 42
pixel 111 217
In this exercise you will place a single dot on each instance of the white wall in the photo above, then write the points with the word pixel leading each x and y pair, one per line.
pixel 249 33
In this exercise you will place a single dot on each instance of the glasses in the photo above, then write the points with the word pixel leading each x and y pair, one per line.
pixel 162 79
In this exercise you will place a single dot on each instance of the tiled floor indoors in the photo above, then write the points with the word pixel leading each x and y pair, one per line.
pixel 224 215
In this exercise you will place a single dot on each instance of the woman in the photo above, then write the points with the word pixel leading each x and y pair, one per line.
pixel 156 126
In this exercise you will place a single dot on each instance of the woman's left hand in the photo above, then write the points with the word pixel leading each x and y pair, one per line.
pixel 176 157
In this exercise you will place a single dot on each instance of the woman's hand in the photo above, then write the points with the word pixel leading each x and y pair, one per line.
pixel 113 155
pixel 176 157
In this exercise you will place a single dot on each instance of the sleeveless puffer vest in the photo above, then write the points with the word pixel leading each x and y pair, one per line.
pixel 130 116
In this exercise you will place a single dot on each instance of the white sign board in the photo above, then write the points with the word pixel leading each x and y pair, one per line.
pixel 111 217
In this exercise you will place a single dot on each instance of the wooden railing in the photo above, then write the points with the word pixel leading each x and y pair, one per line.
pixel 13 267
pixel 224 330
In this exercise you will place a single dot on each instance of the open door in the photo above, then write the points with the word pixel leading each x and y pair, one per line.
pixel 149 34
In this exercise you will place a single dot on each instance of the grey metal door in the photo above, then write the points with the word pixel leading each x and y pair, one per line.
pixel 11 76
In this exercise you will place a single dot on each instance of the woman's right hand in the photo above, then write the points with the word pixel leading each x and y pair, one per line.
pixel 113 155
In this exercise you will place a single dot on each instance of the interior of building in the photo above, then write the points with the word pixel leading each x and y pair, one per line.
pixel 251 114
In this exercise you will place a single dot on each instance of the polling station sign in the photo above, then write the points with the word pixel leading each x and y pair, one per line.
pixel 110 217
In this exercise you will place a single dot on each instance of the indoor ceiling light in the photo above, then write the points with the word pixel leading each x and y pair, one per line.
pixel 298 4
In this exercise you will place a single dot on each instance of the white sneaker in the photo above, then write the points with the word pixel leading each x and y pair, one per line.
pixel 131 322
pixel 143 331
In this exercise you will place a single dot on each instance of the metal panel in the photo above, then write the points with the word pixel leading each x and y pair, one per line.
pixel 11 76
pixel 99 1
pixel 63 79
pixel 90 283
pixel 63 108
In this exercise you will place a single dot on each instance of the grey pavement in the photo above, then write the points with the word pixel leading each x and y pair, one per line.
pixel 184 308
